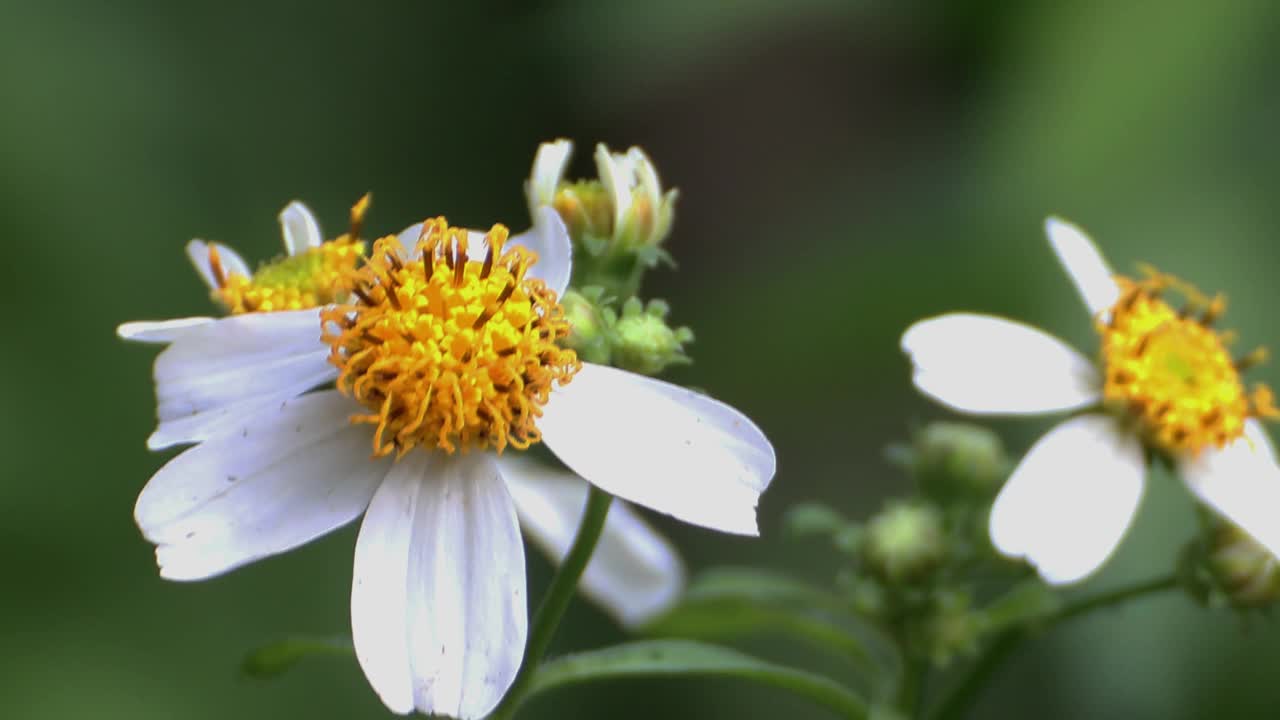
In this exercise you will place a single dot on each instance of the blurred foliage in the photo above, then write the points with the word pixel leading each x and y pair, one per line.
pixel 845 168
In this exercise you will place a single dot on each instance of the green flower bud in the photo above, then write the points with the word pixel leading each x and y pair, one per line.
pixel 951 629
pixel 956 460
pixel 644 343
pixel 589 323
pixel 904 542
pixel 1243 570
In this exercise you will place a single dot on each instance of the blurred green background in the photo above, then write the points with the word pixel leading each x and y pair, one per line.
pixel 845 168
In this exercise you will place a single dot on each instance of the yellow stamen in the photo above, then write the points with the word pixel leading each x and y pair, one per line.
pixel 1172 371
pixel 318 276
pixel 449 352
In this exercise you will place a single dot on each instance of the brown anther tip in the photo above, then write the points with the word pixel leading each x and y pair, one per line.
pixel 357 216
pixel 364 297
pixel 215 267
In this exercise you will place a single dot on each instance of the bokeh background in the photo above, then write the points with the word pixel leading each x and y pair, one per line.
pixel 845 168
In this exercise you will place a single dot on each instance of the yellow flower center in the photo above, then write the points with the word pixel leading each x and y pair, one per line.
pixel 446 350
pixel 1172 371
pixel 317 276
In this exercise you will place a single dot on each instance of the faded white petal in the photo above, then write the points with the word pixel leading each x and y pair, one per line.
pixel 662 446
pixel 231 367
pixel 159 331
pixel 1071 499
pixel 1084 264
pixel 634 574
pixel 438 611
pixel 549 238
pixel 548 170
pixel 1242 483
pixel 300 229
pixel 988 365
pixel 282 478
pixel 232 263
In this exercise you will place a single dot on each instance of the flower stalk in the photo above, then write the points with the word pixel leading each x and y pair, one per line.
pixel 556 601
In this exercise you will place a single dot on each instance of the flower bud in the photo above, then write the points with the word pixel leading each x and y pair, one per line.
pixel 589 325
pixel 644 343
pixel 958 460
pixel 1243 570
pixel 618 222
pixel 904 542
pixel 951 629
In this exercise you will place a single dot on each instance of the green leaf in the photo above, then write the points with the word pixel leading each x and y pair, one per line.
pixel 733 603
pixel 278 657
pixel 758 586
pixel 683 658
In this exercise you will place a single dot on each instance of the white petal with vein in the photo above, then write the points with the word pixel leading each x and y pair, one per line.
pixel 283 478
pixel 438 611
pixel 300 229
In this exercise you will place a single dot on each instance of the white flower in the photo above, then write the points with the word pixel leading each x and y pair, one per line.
pixel 1165 382
pixel 451 348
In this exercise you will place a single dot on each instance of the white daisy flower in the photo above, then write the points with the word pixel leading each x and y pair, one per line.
pixel 1165 382
pixel 445 361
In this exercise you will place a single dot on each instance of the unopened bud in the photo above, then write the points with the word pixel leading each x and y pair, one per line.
pixel 953 460
pixel 904 542
pixel 1243 570
pixel 589 333
pixel 644 343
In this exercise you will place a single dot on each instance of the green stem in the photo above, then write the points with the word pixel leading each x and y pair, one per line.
pixel 965 692
pixel 557 599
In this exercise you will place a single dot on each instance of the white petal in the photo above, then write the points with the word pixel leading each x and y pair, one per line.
pixel 159 331
pixel 548 170
pixel 617 175
pixel 224 370
pixel 438 611
pixel 661 446
pixel 300 229
pixel 989 365
pixel 1084 264
pixel 634 574
pixel 549 238
pixel 646 175
pixel 1242 483
pixel 283 478
pixel 232 263
pixel 1071 499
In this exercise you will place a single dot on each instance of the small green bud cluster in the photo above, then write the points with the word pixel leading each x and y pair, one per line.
pixel 635 338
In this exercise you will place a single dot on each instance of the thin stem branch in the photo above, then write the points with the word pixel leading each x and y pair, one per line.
pixel 559 594
pixel 965 691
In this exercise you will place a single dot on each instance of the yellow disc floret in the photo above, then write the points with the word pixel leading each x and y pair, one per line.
pixel 1172 371
pixel 449 351
pixel 317 276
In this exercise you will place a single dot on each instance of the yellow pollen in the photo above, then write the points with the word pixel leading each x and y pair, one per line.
pixel 318 276
pixel 449 351
pixel 1172 371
